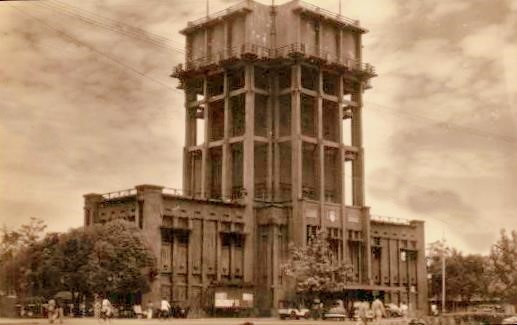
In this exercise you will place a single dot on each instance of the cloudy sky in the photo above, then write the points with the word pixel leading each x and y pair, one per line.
pixel 87 105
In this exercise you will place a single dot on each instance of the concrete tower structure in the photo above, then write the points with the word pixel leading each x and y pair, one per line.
pixel 273 151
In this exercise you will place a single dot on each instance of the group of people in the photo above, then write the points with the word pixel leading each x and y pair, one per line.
pixel 55 311
pixel 376 311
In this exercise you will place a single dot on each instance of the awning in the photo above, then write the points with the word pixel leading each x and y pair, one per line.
pixel 367 287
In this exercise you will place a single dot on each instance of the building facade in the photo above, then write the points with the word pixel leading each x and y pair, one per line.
pixel 273 151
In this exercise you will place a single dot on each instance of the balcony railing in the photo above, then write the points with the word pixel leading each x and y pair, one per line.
pixel 119 194
pixel 239 6
pixel 259 52
pixel 174 191
pixel 393 220
pixel 328 14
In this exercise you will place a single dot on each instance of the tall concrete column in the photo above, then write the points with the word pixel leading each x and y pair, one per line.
pixel 151 198
pixel 248 172
pixel 296 231
pixel 421 274
pixel 341 166
pixel 204 150
pixel 357 141
pixel 225 181
pixel 320 161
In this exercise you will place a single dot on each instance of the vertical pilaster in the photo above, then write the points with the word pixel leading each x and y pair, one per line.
pixel 421 272
pixel 272 99
pixel 297 223
pixel 276 135
pixel 225 190
pixel 248 171
pixel 320 161
pixel 296 132
pixel 341 167
pixel 275 263
pixel 365 216
pixel 357 141
pixel 204 150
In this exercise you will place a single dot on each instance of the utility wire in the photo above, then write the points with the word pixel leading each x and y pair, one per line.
pixel 141 35
pixel 118 23
pixel 94 50
pixel 138 36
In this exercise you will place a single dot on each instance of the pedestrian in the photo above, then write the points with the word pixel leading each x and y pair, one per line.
pixel 362 312
pixel 404 309
pixel 378 309
pixel 165 308
pixel 51 309
pixel 59 311
pixel 106 309
pixel 149 309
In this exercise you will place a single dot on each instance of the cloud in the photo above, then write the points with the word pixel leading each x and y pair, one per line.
pixel 486 42
pixel 448 8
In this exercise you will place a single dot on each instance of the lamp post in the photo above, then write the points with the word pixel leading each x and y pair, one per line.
pixel 443 275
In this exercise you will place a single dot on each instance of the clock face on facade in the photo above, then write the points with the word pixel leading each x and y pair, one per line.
pixel 332 216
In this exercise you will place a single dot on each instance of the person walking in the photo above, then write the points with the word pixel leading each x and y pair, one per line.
pixel 165 308
pixel 106 309
pixel 51 310
pixel 378 309
pixel 149 309
pixel 362 312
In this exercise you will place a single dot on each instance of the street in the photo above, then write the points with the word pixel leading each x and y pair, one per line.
pixel 199 321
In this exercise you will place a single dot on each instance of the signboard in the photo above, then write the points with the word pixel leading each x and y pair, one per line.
pixel 332 215
pixel 311 212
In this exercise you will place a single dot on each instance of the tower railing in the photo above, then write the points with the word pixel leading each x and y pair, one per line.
pixel 239 6
pixel 392 220
pixel 118 194
pixel 328 13
pixel 260 52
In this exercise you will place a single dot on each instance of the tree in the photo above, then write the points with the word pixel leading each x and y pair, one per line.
pixel 11 244
pixel 465 275
pixel 110 258
pixel 315 270
pixel 503 267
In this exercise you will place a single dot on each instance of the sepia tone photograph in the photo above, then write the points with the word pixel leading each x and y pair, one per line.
pixel 252 162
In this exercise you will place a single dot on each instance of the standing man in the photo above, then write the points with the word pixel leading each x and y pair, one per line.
pixel 362 312
pixel 106 309
pixel 378 309
pixel 165 308
pixel 51 309
pixel 149 309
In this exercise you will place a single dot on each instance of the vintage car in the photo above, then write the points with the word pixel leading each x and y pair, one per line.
pixel 293 312
pixel 336 312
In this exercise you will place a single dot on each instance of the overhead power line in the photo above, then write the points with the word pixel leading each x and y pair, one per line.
pixel 119 23
pixel 94 50
pixel 114 26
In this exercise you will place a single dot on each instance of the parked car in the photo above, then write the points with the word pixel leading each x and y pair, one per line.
pixel 337 312
pixel 510 320
pixel 293 313
pixel 393 310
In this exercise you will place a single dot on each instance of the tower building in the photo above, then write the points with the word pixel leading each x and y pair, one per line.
pixel 273 151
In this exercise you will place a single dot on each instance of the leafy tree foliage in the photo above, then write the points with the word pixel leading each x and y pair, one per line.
pixel 503 267
pixel 466 275
pixel 12 242
pixel 110 258
pixel 314 268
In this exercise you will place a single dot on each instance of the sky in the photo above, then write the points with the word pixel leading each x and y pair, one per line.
pixel 87 105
